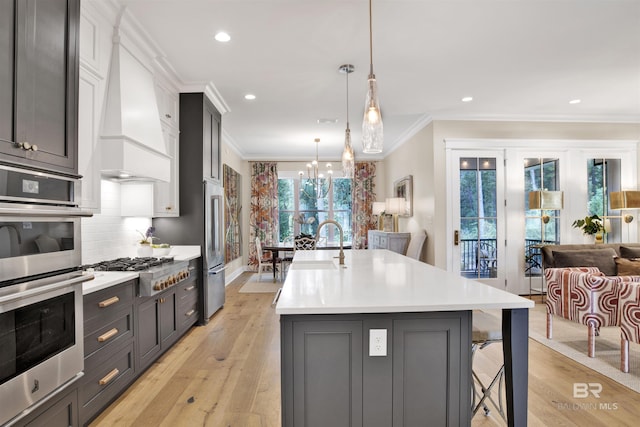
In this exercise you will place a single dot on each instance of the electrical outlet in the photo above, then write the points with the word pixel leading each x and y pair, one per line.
pixel 377 342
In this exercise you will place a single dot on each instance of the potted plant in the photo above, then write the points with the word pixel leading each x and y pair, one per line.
pixel 591 225
pixel 144 244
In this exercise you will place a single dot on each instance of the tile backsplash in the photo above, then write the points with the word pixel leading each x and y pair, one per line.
pixel 108 235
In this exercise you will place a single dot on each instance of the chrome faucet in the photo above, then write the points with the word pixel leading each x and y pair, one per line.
pixel 331 221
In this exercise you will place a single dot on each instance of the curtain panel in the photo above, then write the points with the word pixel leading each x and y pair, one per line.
pixel 263 220
pixel 232 210
pixel 363 197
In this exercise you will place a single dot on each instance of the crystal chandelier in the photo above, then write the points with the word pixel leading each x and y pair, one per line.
pixel 372 135
pixel 348 157
pixel 313 184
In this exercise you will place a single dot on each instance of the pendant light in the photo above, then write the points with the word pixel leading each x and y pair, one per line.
pixel 315 185
pixel 348 158
pixel 372 135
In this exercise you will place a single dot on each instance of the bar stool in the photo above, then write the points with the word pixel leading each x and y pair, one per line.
pixel 487 329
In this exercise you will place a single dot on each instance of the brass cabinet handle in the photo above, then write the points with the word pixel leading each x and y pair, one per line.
pixel 108 335
pixel 109 377
pixel 108 302
pixel 190 313
pixel 190 288
pixel 26 146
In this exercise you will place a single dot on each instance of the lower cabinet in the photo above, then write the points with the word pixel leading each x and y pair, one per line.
pixel 157 326
pixel 330 378
pixel 108 347
pixel 396 242
pixel 59 412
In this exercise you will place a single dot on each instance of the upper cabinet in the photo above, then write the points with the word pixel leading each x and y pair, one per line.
pixel 166 200
pixel 167 105
pixel 200 129
pixel 39 61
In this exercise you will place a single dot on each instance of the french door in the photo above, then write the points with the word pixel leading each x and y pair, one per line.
pixel 477 204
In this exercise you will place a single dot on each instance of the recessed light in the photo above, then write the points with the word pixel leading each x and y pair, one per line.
pixel 250 97
pixel 575 101
pixel 467 99
pixel 327 121
pixel 222 37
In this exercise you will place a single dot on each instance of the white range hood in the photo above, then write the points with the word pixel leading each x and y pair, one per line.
pixel 131 138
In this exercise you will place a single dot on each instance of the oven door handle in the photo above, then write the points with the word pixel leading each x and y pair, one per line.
pixel 26 291
pixel 38 212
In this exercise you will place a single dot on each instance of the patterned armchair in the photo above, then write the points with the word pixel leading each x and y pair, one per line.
pixel 583 295
pixel 629 315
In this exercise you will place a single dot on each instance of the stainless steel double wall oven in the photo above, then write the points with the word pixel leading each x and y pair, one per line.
pixel 41 337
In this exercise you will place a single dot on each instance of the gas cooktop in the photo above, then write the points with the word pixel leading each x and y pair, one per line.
pixel 129 264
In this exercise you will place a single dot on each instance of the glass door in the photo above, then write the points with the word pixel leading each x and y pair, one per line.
pixel 478 212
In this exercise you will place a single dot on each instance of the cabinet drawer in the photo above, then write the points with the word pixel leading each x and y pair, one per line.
pixel 110 300
pixel 100 333
pixel 106 375
pixel 187 290
pixel 383 242
pixel 187 313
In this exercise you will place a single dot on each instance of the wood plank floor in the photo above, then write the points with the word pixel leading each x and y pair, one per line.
pixel 228 374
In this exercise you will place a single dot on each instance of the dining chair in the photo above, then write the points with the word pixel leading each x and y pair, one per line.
pixel 304 244
pixel 286 259
pixel 264 261
pixel 414 250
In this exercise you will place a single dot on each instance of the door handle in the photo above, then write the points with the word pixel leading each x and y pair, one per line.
pixel 456 238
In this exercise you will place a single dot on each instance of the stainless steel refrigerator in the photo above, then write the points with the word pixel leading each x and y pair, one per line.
pixel 201 223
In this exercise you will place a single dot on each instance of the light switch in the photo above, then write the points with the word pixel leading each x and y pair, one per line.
pixel 377 342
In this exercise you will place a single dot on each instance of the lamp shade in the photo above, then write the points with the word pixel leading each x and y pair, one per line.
pixel 546 200
pixel 395 205
pixel 624 200
pixel 377 208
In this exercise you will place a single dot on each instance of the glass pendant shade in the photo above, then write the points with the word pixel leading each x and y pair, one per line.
pixel 348 158
pixel 372 133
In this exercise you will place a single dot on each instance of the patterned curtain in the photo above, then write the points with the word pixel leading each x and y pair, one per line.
pixel 363 197
pixel 263 219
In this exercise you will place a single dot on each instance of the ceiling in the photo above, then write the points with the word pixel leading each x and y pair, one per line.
pixel 518 59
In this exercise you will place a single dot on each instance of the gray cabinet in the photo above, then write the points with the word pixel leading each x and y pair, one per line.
pixel 108 347
pixel 200 129
pixel 329 378
pixel 187 300
pixel 40 130
pixel 396 242
pixel 157 326
pixel 61 411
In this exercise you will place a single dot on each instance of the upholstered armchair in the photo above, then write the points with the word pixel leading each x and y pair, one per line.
pixel 629 315
pixel 583 295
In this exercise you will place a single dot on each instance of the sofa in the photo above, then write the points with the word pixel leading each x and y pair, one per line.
pixel 605 256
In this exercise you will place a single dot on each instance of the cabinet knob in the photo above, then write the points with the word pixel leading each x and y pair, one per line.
pixel 168 116
pixel 26 146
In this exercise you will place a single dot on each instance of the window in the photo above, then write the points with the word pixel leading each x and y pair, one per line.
pixel 300 211
pixel 603 177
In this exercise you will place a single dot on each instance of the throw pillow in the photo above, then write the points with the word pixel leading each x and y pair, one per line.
pixel 601 258
pixel 628 267
pixel 629 252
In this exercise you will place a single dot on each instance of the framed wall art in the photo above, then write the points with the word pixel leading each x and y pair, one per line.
pixel 404 188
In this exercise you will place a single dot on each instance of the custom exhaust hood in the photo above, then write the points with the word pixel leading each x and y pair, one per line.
pixel 132 143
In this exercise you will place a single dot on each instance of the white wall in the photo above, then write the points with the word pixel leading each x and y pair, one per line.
pixel 232 158
pixel 107 235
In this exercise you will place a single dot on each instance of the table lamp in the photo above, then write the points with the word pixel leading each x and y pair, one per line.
pixel 544 200
pixel 395 206
pixel 376 209
pixel 625 200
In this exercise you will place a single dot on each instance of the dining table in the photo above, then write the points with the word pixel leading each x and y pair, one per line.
pixel 288 247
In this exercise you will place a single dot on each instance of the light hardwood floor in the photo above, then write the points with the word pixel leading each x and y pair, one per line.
pixel 227 373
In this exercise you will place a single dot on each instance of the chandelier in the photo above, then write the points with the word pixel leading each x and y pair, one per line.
pixel 314 184
pixel 348 157
pixel 372 134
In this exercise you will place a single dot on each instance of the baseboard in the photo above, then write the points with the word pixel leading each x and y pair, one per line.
pixel 230 277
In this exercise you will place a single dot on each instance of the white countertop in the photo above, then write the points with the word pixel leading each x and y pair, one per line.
pixel 105 279
pixel 381 281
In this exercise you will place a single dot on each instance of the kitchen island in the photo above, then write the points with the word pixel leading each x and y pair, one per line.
pixel 386 340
